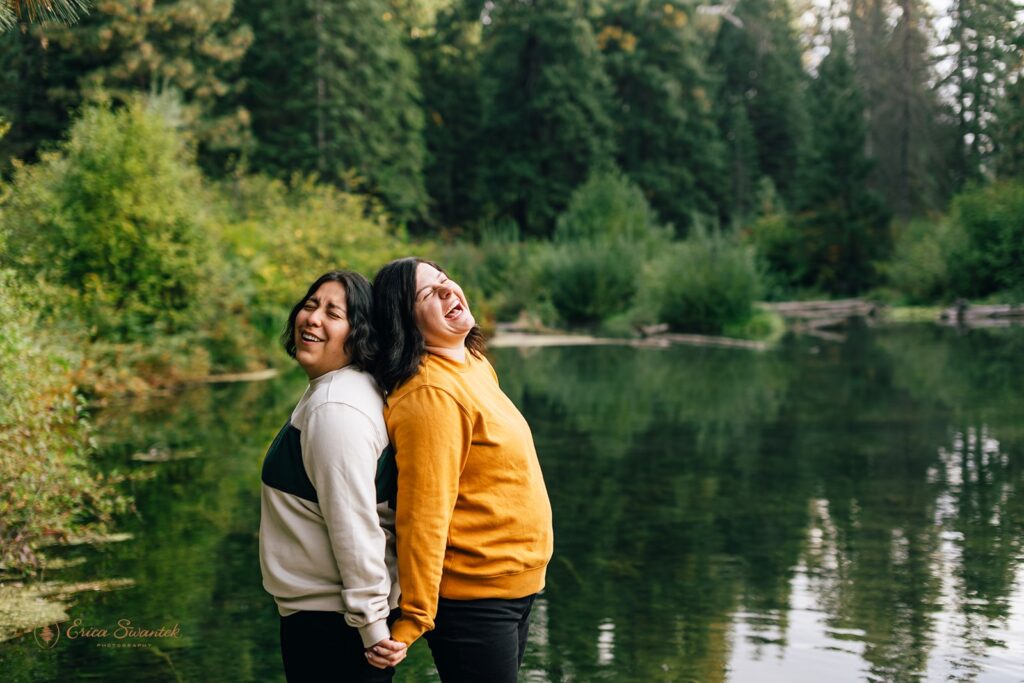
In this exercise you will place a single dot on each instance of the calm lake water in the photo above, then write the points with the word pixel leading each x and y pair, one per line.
pixel 822 512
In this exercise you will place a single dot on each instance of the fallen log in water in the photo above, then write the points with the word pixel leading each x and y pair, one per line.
pixel 995 315
pixel 839 309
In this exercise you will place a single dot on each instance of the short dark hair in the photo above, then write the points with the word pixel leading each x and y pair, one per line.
pixel 360 345
pixel 401 345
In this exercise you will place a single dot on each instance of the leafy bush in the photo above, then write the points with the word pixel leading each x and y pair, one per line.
pixel 47 488
pixel 780 248
pixel 919 268
pixel 115 216
pixel 992 220
pixel 590 272
pixel 280 236
pixel 608 206
pixel 588 282
pixel 707 283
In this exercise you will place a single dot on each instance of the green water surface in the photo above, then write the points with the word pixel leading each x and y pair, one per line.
pixel 822 512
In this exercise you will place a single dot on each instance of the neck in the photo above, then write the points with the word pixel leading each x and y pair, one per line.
pixel 456 353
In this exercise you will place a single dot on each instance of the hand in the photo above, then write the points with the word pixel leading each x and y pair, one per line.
pixel 386 653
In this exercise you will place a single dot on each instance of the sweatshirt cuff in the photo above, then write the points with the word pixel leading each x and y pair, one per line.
pixel 406 631
pixel 374 633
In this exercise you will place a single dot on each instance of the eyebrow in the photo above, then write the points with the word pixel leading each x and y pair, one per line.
pixel 439 276
pixel 330 304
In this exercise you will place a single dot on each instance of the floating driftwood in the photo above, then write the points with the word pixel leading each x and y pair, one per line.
pixel 660 340
pixel 833 310
pixel 963 314
pixel 255 376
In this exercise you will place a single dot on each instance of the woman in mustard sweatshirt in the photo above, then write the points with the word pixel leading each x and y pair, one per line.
pixel 473 520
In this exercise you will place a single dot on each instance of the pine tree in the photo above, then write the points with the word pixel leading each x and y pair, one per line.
pixel 760 66
pixel 123 48
pixel 892 40
pixel 1009 135
pixel 844 224
pixel 667 137
pixel 449 65
pixel 546 100
pixel 332 89
pixel 984 54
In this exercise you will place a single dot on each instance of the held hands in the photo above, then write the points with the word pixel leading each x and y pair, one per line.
pixel 386 653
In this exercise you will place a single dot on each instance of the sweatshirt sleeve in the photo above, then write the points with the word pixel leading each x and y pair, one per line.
pixel 431 434
pixel 339 451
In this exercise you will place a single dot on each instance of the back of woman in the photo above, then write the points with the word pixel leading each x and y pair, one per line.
pixel 473 516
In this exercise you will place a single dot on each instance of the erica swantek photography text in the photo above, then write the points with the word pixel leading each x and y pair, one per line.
pixel 124 634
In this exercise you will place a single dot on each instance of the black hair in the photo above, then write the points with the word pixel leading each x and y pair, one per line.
pixel 401 346
pixel 360 345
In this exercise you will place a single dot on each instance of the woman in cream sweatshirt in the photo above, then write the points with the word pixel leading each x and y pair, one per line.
pixel 326 526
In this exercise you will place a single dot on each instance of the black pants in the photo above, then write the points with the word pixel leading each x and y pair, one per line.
pixel 480 641
pixel 320 646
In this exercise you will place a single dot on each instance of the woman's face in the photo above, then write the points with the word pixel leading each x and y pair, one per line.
pixel 442 314
pixel 321 328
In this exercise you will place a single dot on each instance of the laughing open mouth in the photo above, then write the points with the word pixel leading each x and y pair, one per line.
pixel 306 336
pixel 454 311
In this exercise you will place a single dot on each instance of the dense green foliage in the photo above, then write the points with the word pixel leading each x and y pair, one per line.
pixel 120 49
pixel 47 489
pixel 111 216
pixel 707 283
pixel 992 219
pixel 667 138
pixel 332 89
pixel 843 225
pixel 546 119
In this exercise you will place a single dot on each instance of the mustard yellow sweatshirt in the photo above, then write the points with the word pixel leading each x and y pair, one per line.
pixel 473 519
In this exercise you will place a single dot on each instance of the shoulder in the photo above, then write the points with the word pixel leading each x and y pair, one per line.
pixel 350 387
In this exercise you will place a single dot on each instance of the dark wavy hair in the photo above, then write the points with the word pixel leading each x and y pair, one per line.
pixel 360 345
pixel 401 344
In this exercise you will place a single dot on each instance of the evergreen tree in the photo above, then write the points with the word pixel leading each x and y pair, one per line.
pixel 449 67
pixel 123 48
pixel 843 223
pixel 984 55
pixel 1009 135
pixel 546 99
pixel 760 65
pixel 332 89
pixel 667 137
pixel 892 39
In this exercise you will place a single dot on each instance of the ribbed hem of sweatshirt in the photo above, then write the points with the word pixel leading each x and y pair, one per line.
pixel 456 587
pixel 505 586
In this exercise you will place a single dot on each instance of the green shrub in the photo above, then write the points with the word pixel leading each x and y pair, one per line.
pixel 608 206
pixel 48 491
pixel 992 220
pixel 590 272
pixel 919 268
pixel 115 216
pixel 780 248
pixel 706 283
pixel 280 236
pixel 587 282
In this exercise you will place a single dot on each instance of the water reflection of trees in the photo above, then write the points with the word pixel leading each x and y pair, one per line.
pixel 690 488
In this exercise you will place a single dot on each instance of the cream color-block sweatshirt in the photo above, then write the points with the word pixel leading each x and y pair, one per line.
pixel 326 543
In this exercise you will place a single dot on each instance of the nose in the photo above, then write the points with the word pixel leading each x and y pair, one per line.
pixel 315 318
pixel 444 291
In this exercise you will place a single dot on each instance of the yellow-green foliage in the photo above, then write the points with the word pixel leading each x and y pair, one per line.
pixel 280 237
pixel 115 216
pixel 47 490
